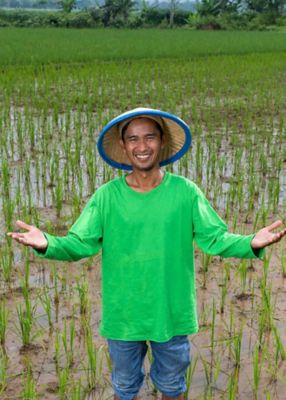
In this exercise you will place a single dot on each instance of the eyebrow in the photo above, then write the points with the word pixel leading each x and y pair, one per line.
pixel 134 135
pixel 131 136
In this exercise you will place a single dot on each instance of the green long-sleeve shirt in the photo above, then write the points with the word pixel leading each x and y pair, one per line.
pixel 148 274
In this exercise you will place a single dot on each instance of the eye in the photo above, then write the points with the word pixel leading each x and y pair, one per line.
pixel 151 137
pixel 132 139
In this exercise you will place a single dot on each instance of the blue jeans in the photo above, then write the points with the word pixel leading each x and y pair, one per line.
pixel 170 362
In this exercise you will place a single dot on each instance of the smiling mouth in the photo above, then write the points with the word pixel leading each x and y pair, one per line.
pixel 142 157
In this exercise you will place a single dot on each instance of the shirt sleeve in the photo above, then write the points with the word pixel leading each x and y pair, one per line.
pixel 212 236
pixel 84 238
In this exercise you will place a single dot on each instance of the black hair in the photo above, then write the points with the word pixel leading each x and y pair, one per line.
pixel 158 126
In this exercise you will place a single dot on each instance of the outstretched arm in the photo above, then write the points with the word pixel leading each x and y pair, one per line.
pixel 212 236
pixel 83 239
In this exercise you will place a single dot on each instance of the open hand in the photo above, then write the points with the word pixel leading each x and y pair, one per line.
pixel 265 237
pixel 34 237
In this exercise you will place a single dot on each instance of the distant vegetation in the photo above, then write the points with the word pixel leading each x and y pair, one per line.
pixel 206 14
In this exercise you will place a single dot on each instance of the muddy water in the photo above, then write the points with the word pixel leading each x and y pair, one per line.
pixel 244 306
pixel 245 314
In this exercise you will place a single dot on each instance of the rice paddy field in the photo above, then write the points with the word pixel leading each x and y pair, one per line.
pixel 58 88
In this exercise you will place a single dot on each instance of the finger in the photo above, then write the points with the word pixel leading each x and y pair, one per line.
pixel 278 236
pixel 275 225
pixel 18 238
pixel 23 225
pixel 281 234
pixel 15 235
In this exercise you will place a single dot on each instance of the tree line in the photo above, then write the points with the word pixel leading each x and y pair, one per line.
pixel 207 14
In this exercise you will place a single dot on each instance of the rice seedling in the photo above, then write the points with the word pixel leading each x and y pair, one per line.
pixel 217 368
pixel 7 205
pixel 283 261
pixel 76 392
pixel 56 290
pixel 3 322
pixel 266 262
pixel 280 351
pixel 68 341
pixel 223 290
pixel 76 205
pixel 3 371
pixel 63 381
pixel 47 305
pixel 91 369
pixel 256 370
pixel 206 260
pixel 26 318
pixel 63 279
pixel 82 289
pixel 224 286
pixel 6 263
pixel 261 329
pixel 26 282
pixel 57 347
pixel 213 329
pixel 267 306
pixel 236 345
pixel 208 378
pixel 189 375
pixel 242 269
pixel 59 193
pixel 204 315
pixel 233 385
pixel 268 395
pixel 29 386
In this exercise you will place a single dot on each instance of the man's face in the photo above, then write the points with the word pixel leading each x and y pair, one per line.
pixel 142 144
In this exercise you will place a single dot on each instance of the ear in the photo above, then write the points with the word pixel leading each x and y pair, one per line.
pixel 122 145
pixel 164 141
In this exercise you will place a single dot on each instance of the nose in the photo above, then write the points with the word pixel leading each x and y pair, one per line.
pixel 142 145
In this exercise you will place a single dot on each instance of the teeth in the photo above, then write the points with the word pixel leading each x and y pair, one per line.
pixel 142 157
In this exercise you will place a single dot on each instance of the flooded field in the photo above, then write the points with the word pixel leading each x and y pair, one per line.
pixel 50 117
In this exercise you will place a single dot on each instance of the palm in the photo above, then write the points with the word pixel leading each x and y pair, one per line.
pixel 265 237
pixel 33 237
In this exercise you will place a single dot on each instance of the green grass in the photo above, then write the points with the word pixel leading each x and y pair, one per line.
pixel 56 45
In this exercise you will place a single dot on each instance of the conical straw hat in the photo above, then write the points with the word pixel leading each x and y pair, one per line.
pixel 178 137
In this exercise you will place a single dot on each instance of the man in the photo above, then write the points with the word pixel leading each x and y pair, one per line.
pixel 145 223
